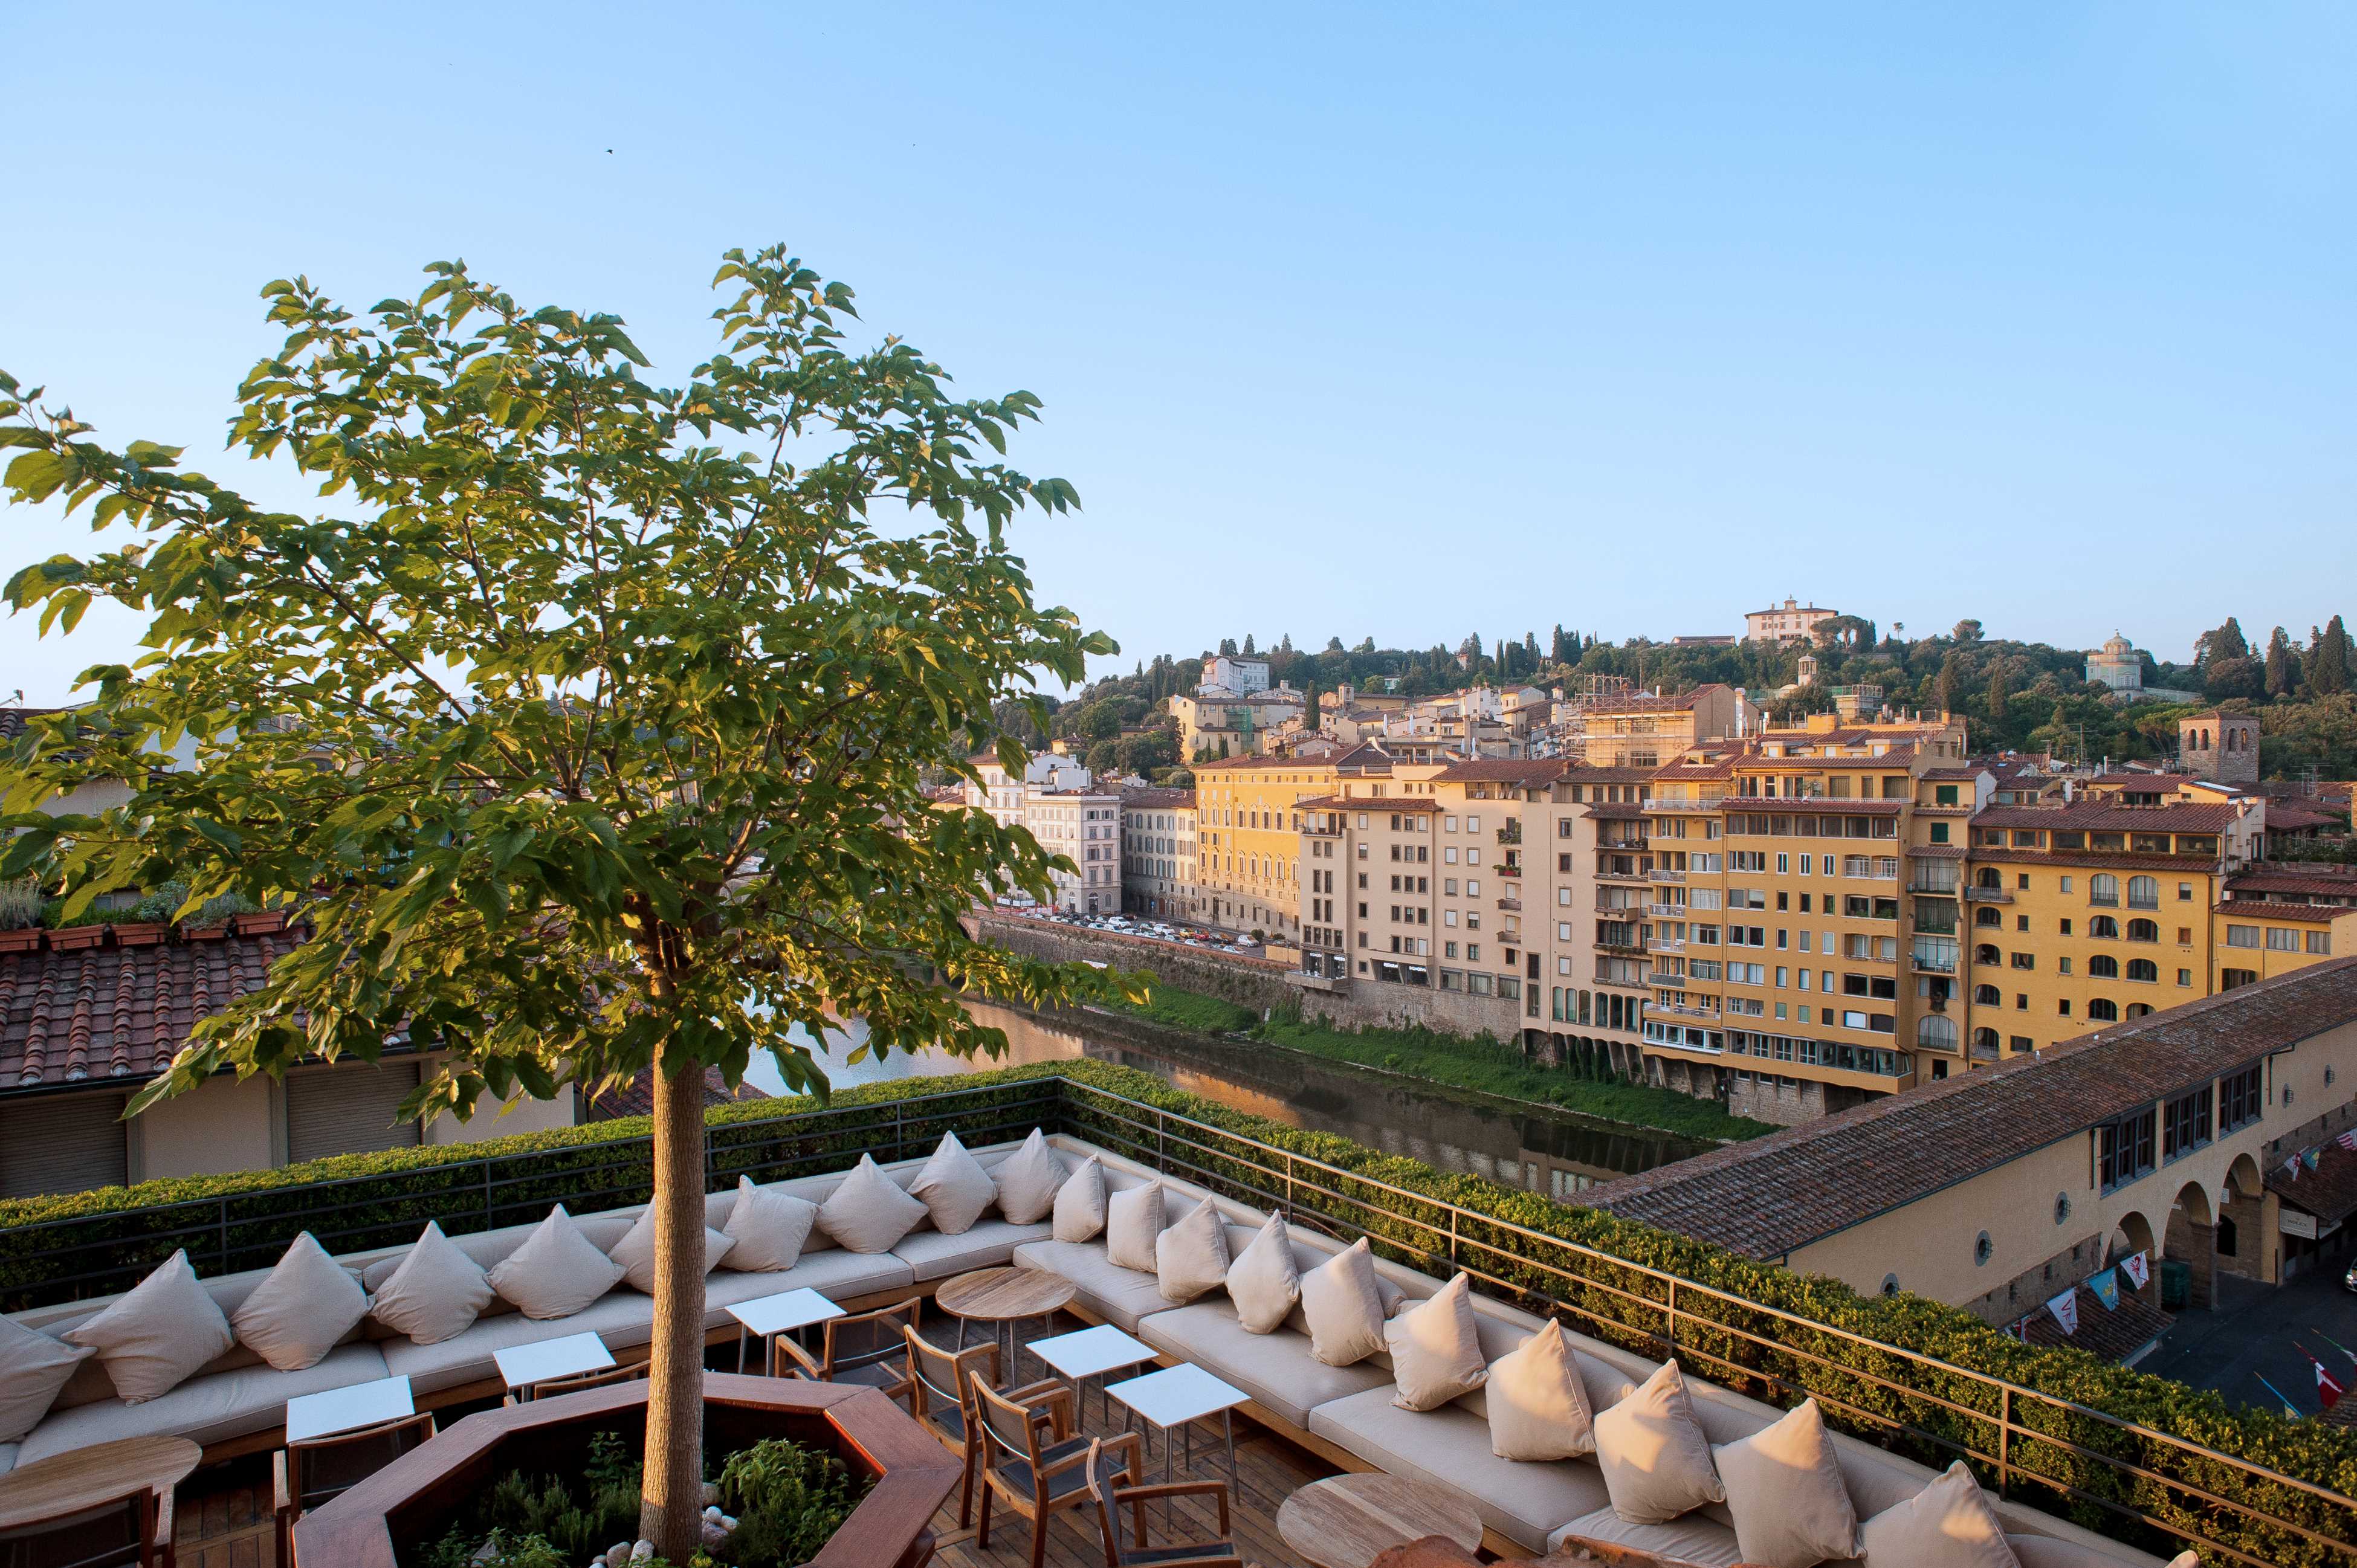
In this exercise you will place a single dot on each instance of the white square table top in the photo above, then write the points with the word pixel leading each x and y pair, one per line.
pixel 1091 1352
pixel 348 1409
pixel 1177 1395
pixel 560 1357
pixel 768 1315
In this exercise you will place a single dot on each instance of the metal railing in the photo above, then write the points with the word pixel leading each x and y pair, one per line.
pixel 2014 1428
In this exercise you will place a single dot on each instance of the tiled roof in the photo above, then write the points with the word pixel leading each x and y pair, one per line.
pixel 2329 1192
pixel 2142 782
pixel 1618 810
pixel 107 1013
pixel 12 720
pixel 1936 851
pixel 1364 756
pixel 637 1097
pixel 2105 815
pixel 1601 775
pixel 2113 1333
pixel 2290 816
pixel 1227 764
pixel 1371 804
pixel 2095 860
pixel 1153 800
pixel 2322 881
pixel 1488 770
pixel 1772 1196
pixel 2280 909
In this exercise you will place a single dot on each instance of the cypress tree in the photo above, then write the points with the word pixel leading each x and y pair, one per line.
pixel 2330 672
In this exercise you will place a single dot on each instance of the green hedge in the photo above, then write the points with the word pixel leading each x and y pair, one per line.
pixel 1603 1296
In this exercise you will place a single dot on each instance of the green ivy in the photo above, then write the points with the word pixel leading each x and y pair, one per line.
pixel 1865 1385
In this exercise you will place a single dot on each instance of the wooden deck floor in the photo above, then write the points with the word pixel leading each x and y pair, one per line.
pixel 224 1511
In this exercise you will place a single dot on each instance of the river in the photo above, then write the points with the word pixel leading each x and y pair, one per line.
pixel 1555 1153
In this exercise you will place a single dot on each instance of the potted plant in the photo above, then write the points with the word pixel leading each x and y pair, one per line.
pixel 151 917
pixel 20 915
pixel 599 750
pixel 64 937
pixel 211 922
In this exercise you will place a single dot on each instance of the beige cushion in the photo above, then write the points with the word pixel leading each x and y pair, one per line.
pixel 301 1308
pixel 1132 1224
pixel 434 1293
pixel 1080 1208
pixel 867 1213
pixel 1343 1310
pixel 1436 1354
pixel 33 1366
pixel 556 1272
pixel 636 1252
pixel 1264 1281
pixel 1191 1257
pixel 1538 1407
pixel 1694 1538
pixel 1275 1370
pixel 152 1339
pixel 1784 1492
pixel 1029 1179
pixel 211 1409
pixel 954 1187
pixel 1948 1524
pixel 1655 1459
pixel 767 1229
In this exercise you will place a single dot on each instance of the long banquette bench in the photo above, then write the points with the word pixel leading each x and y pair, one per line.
pixel 1346 1414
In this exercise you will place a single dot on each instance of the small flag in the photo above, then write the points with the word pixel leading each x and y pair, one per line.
pixel 2065 1308
pixel 2135 1267
pixel 2291 1166
pixel 2337 1344
pixel 2307 1158
pixel 2290 1408
pixel 2348 1140
pixel 2106 1286
pixel 2327 1389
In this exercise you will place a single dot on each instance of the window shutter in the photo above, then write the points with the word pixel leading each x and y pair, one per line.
pixel 62 1143
pixel 349 1109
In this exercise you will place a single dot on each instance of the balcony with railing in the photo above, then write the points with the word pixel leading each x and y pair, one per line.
pixel 1508 901
pixel 1666 911
pixel 1933 956
pixel 1626 844
pixel 1980 895
pixel 1706 1012
pixel 1666 944
pixel 1936 876
pixel 1512 832
pixel 1665 874
pixel 1664 804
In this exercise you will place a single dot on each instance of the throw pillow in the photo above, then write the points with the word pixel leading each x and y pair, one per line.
pixel 152 1339
pixel 297 1313
pixel 556 1272
pixel 1132 1224
pixel 1785 1493
pixel 636 1251
pixel 954 1187
pixel 1029 1181
pixel 1436 1354
pixel 33 1366
pixel 868 1213
pixel 1264 1281
pixel 1342 1307
pixel 1655 1459
pixel 1538 1406
pixel 767 1229
pixel 435 1294
pixel 1079 1207
pixel 1948 1524
pixel 1191 1257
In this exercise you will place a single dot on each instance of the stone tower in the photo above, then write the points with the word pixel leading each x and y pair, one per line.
pixel 2221 748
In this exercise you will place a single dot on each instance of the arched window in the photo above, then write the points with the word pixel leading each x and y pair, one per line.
pixel 2104 1010
pixel 1984 1039
pixel 1989 876
pixel 1984 916
pixel 2144 968
pixel 2103 888
pixel 2138 1009
pixel 2104 966
pixel 1986 953
pixel 2103 925
pixel 2144 893
pixel 1988 996
pixel 1935 1032
pixel 2143 931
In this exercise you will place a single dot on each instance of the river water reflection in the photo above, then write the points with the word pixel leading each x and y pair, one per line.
pixel 1556 1154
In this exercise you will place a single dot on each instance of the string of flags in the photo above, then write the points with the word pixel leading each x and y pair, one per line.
pixel 2137 1270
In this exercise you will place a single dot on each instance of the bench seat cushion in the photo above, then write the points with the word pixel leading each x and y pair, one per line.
pixel 989 1244
pixel 838 1276
pixel 1450 1446
pixel 1276 1370
pixel 7 1458
pixel 1120 1296
pixel 210 1409
pixel 1691 1538
pixel 621 1319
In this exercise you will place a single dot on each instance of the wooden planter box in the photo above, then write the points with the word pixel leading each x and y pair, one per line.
pixel 26 940
pixel 257 925
pixel 68 938
pixel 411 1502
pixel 140 933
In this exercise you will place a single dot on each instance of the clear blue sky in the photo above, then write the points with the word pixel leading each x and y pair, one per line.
pixel 1402 323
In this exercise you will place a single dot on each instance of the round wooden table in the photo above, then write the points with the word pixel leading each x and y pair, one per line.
pixel 141 1469
pixel 1003 1295
pixel 1347 1521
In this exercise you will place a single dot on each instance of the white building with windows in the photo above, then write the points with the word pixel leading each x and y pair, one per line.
pixel 1082 824
pixel 1158 852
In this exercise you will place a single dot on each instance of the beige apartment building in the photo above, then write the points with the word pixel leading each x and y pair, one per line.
pixel 1081 823
pixel 1159 853
pixel 1788 622
pixel 1643 729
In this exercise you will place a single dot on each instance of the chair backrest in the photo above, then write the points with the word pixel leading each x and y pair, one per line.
pixel 1104 1475
pixel 1011 1431
pixel 865 1338
pixel 320 1468
pixel 944 1378
pixel 574 1382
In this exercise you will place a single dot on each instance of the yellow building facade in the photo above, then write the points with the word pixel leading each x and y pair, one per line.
pixel 1248 837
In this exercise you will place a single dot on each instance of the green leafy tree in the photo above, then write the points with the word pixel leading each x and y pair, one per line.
pixel 587 726
pixel 1967 631
pixel 1249 651
pixel 2226 643
pixel 2283 665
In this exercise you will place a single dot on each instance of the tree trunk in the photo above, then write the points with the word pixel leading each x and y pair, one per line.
pixel 671 1507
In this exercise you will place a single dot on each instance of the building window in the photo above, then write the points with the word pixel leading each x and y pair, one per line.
pixel 1983 1248
pixel 2281 940
pixel 2124 1150
pixel 2185 1127
pixel 2104 889
pixel 2104 1010
pixel 2242 936
pixel 2320 943
pixel 2238 1100
pixel 2062 1207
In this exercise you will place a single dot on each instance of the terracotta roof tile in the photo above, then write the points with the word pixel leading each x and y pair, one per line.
pixel 2329 1192
pixel 1511 770
pixel 2107 816
pixel 1772 1196
pixel 637 1097
pixel 110 1013
pixel 2114 1334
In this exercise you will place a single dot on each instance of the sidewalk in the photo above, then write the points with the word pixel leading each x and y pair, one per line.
pixel 2250 1334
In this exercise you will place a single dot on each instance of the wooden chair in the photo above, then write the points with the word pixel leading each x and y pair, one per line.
pixel 148 1533
pixel 940 1398
pixel 1036 1479
pixel 574 1382
pixel 859 1348
pixel 305 1475
pixel 1111 1497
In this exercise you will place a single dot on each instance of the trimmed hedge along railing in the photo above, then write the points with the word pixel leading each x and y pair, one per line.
pixel 2135 1458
